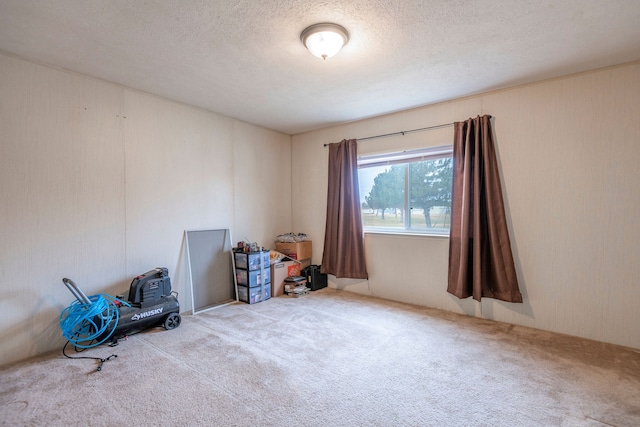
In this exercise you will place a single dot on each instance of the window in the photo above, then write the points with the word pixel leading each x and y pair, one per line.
pixel 416 181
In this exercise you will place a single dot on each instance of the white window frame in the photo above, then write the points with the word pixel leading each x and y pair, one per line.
pixel 405 157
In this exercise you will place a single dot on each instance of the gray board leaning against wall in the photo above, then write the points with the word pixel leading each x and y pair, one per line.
pixel 209 255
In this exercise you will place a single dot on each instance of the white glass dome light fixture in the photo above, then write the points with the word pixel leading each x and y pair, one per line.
pixel 324 40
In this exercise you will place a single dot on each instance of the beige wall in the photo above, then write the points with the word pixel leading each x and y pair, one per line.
pixel 99 182
pixel 569 150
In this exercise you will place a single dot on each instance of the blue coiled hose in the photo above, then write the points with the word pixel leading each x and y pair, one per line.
pixel 83 324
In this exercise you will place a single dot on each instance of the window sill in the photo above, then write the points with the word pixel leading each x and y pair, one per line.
pixel 444 235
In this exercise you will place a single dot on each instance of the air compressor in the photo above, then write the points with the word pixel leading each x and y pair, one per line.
pixel 150 302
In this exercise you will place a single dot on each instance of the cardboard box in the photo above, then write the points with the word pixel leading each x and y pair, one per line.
pixel 304 263
pixel 280 271
pixel 295 250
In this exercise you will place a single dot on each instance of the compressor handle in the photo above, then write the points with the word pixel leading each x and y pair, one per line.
pixel 76 291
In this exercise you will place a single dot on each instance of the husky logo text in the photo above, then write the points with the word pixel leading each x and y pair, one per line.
pixel 147 314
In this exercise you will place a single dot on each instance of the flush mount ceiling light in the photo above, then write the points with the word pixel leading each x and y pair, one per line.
pixel 324 40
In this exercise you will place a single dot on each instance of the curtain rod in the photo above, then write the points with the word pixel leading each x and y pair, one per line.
pixel 403 132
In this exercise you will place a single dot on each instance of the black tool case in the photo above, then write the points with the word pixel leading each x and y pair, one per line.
pixel 315 279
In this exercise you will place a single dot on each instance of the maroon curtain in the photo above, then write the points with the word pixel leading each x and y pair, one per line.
pixel 480 258
pixel 343 254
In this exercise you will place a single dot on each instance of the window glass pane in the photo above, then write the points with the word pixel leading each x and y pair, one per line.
pixel 382 196
pixel 430 194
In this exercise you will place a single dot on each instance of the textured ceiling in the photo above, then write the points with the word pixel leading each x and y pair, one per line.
pixel 244 58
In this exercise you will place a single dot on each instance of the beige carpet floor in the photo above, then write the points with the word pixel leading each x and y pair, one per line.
pixel 331 358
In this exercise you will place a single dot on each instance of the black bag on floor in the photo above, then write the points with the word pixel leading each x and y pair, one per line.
pixel 315 279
